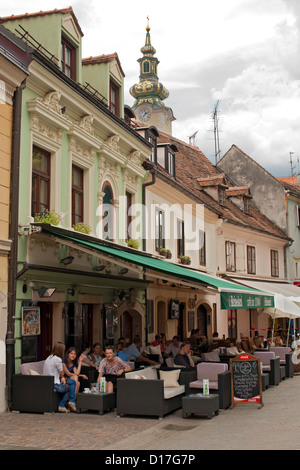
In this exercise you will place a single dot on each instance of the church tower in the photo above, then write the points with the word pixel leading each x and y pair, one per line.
pixel 149 93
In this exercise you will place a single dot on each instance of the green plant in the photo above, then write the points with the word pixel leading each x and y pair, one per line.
pixel 132 243
pixel 48 217
pixel 164 250
pixel 81 227
pixel 185 257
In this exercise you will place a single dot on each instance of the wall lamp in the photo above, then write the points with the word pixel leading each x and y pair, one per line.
pixel 71 291
pixel 99 267
pixel 67 260
pixel 124 271
pixel 46 291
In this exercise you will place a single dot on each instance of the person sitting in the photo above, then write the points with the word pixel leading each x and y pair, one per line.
pixel 97 354
pixel 54 366
pixel 157 340
pixel 184 357
pixel 121 353
pixel 112 367
pixel 86 361
pixel 173 347
pixel 135 354
pixel 72 368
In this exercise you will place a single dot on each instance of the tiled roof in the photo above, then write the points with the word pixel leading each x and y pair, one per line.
pixel 43 13
pixel 102 59
pixel 238 191
pixel 211 181
pixel 192 165
pixel 290 183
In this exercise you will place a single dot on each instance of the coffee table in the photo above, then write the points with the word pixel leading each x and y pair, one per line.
pixel 200 404
pixel 95 401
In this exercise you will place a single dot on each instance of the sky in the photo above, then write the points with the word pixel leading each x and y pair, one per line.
pixel 240 57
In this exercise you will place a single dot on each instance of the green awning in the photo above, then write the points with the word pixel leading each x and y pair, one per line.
pixel 234 296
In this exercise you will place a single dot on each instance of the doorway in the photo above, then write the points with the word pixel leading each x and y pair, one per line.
pixel 202 320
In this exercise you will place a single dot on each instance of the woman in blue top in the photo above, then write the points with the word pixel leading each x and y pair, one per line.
pixel 72 367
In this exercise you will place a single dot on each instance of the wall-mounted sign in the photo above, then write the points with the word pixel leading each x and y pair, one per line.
pixel 230 300
pixel 31 321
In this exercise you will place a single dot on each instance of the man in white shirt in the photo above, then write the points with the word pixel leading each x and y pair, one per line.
pixel 174 347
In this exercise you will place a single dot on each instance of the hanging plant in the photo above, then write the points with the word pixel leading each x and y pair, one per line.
pixel 133 243
pixel 81 227
pixel 165 252
pixel 185 259
pixel 48 217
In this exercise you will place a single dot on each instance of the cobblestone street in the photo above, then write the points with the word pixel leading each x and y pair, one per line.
pixel 273 427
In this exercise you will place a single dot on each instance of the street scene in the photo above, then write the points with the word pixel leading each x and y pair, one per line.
pixel 149 265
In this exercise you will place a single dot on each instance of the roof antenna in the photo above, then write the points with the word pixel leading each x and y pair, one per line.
pixel 216 133
pixel 192 139
pixel 291 163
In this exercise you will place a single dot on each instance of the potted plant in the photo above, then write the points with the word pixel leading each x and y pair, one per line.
pixel 185 259
pixel 165 252
pixel 83 228
pixel 132 243
pixel 48 217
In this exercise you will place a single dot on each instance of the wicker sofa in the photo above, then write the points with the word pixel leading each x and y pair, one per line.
pixel 285 355
pixel 33 392
pixel 271 365
pixel 219 378
pixel 145 392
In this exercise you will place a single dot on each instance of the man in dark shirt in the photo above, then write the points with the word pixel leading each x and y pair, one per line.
pixel 184 357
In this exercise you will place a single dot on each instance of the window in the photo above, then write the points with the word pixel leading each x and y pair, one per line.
pixel 40 199
pixel 108 204
pixel 232 323
pixel 298 215
pixel 128 218
pixel 230 256
pixel 247 205
pixel 170 162
pixel 77 195
pixel 180 238
pixel 153 142
pixel 159 229
pixel 68 58
pixel 222 197
pixel 251 265
pixel 274 263
pixel 202 248
pixel 146 66
pixel 114 99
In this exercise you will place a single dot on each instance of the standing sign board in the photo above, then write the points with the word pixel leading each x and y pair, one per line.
pixel 246 383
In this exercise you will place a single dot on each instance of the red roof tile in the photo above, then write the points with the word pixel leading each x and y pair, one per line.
pixel 102 59
pixel 42 13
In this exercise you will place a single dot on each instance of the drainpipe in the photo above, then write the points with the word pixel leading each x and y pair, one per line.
pixel 13 236
pixel 148 166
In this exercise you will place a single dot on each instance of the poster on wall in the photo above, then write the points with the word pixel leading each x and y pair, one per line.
pixel 31 321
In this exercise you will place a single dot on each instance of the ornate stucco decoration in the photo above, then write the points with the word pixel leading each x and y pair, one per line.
pixel 83 131
pixel 49 110
pixel 110 150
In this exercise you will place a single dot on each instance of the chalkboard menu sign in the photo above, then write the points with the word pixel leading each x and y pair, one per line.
pixel 246 379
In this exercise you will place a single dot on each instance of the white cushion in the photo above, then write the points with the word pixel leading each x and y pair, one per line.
pixel 170 377
pixel 170 392
pixel 33 372
pixel 149 373
pixel 212 356
pixel 155 350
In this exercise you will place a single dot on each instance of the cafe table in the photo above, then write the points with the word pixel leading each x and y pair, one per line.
pixel 95 401
pixel 198 403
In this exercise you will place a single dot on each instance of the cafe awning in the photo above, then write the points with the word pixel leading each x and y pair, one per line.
pixel 233 296
pixel 286 296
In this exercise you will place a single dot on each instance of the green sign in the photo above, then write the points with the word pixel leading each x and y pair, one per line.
pixel 231 301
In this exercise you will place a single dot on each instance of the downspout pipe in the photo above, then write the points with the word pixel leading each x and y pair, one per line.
pixel 13 236
pixel 151 167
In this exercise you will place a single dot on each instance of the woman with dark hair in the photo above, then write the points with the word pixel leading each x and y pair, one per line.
pixel 72 367
pixel 54 366
pixel 112 367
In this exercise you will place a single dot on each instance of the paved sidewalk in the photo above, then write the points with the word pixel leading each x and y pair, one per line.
pixel 273 427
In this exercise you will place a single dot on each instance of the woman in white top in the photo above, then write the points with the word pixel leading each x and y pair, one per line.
pixel 54 366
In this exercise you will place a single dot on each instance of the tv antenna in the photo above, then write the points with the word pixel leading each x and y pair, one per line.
pixel 192 139
pixel 216 133
pixel 291 163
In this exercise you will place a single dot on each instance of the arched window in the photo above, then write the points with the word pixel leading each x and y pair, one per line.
pixel 108 211
pixel 146 67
